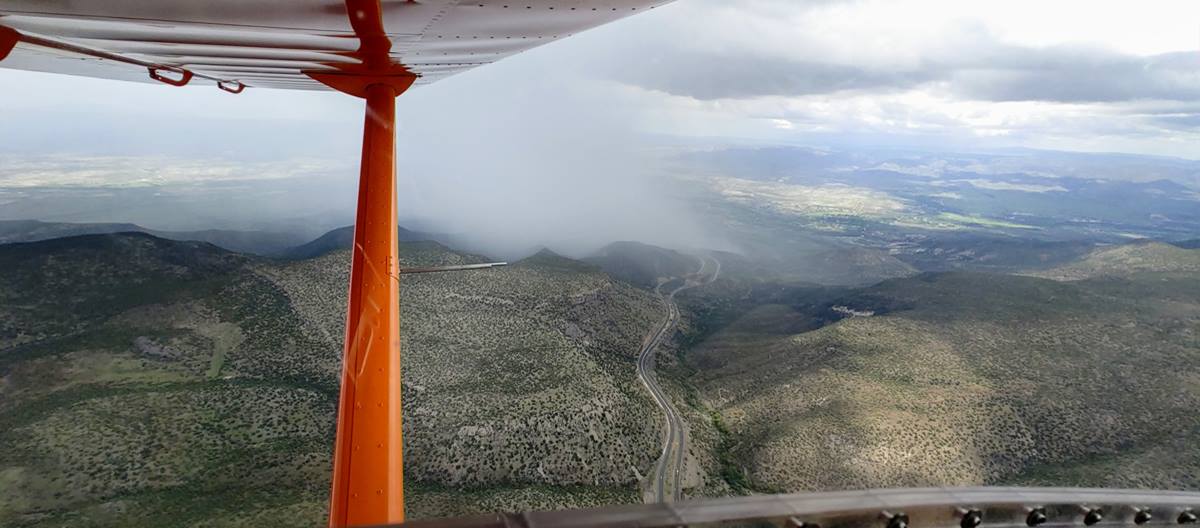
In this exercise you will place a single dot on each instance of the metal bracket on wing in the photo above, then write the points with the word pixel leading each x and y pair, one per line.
pixel 184 75
pixel 233 87
pixel 10 37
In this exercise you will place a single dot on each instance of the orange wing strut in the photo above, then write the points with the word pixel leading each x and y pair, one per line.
pixel 368 469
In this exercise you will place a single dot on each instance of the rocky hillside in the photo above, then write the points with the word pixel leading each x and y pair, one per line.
pixel 147 382
pixel 966 378
pixel 513 377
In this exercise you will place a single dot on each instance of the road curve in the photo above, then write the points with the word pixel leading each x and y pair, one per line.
pixel 675 439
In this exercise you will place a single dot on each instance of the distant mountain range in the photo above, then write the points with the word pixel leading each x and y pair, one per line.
pixel 265 243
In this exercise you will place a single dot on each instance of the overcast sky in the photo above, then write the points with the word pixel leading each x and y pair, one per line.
pixel 1070 74
pixel 1087 75
pixel 1059 74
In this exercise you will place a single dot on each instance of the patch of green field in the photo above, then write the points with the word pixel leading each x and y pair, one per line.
pixel 980 221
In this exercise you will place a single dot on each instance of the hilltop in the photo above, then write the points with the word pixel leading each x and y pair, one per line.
pixel 146 381
pixel 643 264
pixel 1134 257
pixel 343 238
pixel 548 260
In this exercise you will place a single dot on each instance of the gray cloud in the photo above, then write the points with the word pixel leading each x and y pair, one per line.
pixel 1078 76
pixel 1001 73
pixel 1179 120
pixel 969 62
pixel 687 72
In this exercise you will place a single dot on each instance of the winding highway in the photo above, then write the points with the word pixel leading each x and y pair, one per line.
pixel 668 470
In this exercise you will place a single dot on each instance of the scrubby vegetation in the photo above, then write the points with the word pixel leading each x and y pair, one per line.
pixel 146 382
pixel 730 472
pixel 516 375
pixel 969 378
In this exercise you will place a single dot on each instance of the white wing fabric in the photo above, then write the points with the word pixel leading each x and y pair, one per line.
pixel 271 43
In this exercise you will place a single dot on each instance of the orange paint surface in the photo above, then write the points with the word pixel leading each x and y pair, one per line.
pixel 368 468
pixel 368 471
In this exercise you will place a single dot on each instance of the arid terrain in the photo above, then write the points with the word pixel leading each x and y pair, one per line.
pixel 150 382
pixel 145 381
pixel 965 378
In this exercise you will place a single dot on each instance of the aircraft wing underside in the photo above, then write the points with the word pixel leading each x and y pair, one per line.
pixel 273 43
